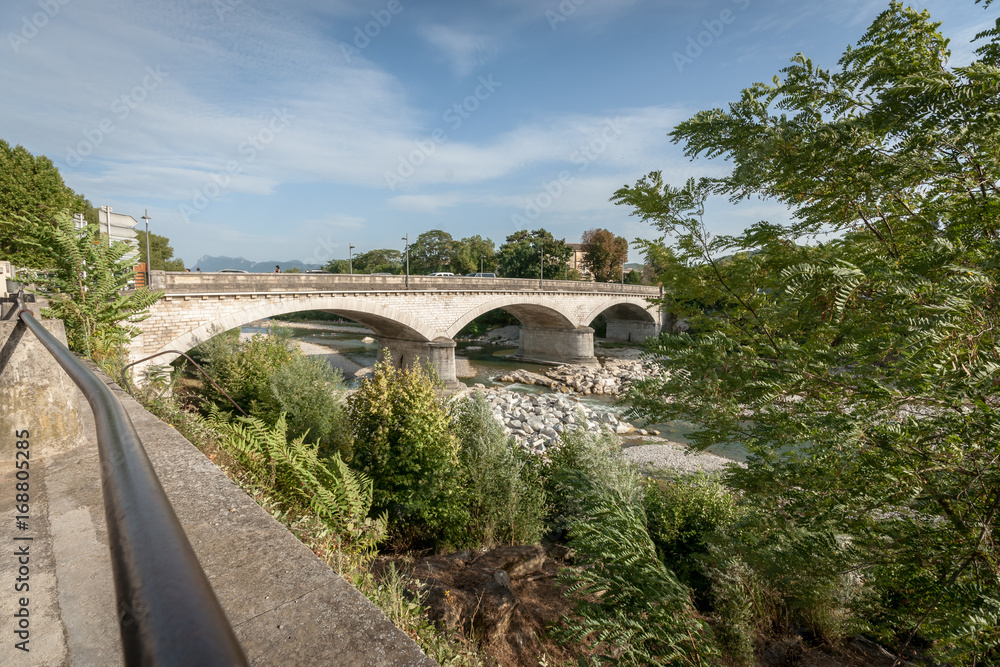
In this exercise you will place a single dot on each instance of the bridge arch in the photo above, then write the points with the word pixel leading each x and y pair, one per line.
pixel 529 311
pixel 631 319
pixel 383 320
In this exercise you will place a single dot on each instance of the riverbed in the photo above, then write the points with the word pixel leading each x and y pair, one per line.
pixel 345 347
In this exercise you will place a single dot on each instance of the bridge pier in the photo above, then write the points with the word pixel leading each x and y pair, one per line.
pixel 557 346
pixel 439 353
pixel 631 331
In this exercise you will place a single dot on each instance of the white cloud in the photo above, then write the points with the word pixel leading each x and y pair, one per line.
pixel 464 51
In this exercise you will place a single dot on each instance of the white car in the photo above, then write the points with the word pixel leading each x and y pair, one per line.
pixel 442 273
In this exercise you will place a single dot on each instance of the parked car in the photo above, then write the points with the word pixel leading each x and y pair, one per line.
pixel 317 271
pixel 232 271
pixel 481 275
pixel 441 273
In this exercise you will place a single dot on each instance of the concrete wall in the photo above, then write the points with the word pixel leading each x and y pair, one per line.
pixel 35 392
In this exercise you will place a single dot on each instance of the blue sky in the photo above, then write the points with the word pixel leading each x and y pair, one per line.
pixel 288 130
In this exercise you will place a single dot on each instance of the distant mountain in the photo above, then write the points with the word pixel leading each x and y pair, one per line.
pixel 208 263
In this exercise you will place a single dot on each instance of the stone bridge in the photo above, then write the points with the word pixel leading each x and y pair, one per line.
pixel 415 317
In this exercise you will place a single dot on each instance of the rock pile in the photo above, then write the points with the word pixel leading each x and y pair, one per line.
pixel 611 378
pixel 536 420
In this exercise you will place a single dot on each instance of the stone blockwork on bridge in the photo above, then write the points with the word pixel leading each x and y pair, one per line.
pixel 416 317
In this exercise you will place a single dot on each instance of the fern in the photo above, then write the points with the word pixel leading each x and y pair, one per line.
pixel 627 601
pixel 327 488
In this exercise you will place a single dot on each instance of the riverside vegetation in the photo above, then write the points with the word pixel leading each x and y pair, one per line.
pixel 423 472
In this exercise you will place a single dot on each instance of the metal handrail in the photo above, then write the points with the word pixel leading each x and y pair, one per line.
pixel 167 612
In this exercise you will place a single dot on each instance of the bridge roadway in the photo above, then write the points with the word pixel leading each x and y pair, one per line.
pixel 415 318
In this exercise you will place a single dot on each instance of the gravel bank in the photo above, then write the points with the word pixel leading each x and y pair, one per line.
pixel 675 456
pixel 537 420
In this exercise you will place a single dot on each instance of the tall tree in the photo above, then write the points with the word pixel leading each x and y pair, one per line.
pixel 381 260
pixel 432 251
pixel 338 266
pixel 525 253
pixel 160 249
pixel 474 254
pixel 861 374
pixel 31 187
pixel 605 254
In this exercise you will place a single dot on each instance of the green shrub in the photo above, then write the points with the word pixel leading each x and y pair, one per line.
pixel 586 463
pixel 770 573
pixel 505 498
pixel 682 513
pixel 293 471
pixel 742 607
pixel 403 441
pixel 244 370
pixel 268 377
pixel 312 395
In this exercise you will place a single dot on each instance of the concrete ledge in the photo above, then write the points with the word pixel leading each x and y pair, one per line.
pixel 286 605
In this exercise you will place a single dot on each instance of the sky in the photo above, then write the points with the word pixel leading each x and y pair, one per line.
pixel 280 131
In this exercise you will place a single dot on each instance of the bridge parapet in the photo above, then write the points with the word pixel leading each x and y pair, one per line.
pixel 218 283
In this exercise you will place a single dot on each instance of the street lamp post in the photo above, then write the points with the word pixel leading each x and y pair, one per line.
pixel 350 259
pixel 480 264
pixel 407 240
pixel 541 263
pixel 149 260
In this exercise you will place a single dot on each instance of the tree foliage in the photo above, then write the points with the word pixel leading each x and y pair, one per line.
pixel 524 254
pixel 474 254
pixel 339 266
pixel 382 260
pixel 432 251
pixel 161 251
pixel 605 254
pixel 85 284
pixel 32 188
pixel 861 373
